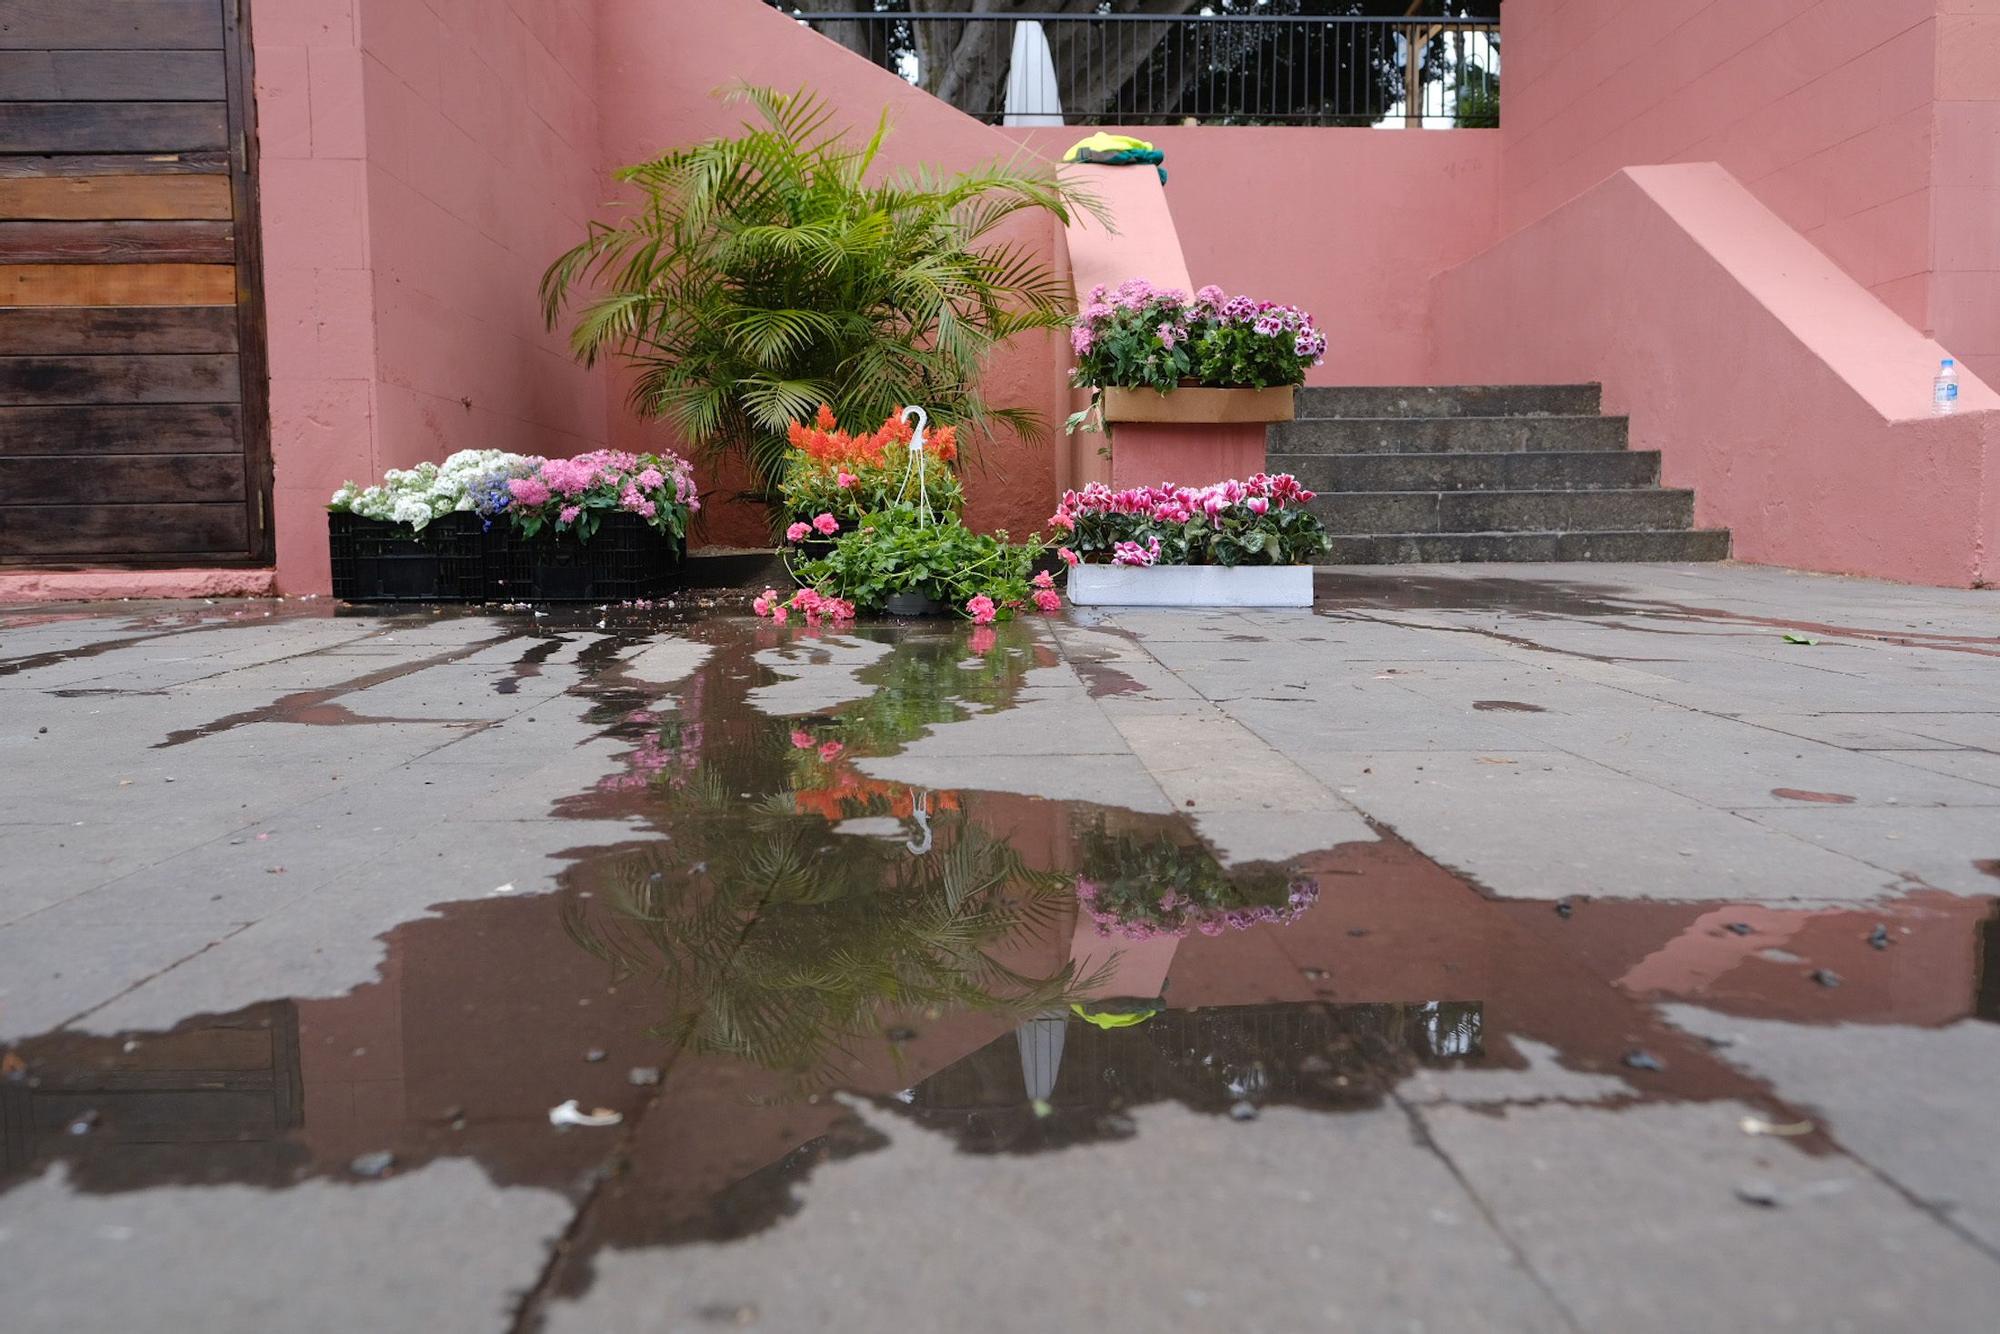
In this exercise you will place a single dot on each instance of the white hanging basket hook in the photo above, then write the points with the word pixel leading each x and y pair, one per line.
pixel 916 464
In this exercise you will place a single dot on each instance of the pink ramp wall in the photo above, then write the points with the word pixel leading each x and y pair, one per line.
pixel 1794 402
pixel 1869 126
pixel 421 161
pixel 1350 224
pixel 660 64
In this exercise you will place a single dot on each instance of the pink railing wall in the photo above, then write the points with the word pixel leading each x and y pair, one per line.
pixel 1871 127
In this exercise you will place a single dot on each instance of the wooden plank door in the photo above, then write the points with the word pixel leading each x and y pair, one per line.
pixel 133 418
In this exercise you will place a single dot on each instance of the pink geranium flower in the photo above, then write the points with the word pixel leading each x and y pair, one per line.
pixel 831 750
pixel 826 525
pixel 780 614
pixel 846 481
pixel 765 602
pixel 1044 579
pixel 802 740
pixel 1068 557
pixel 981 609
pixel 798 532
pixel 1048 601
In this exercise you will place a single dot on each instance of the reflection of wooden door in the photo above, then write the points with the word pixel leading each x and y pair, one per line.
pixel 132 378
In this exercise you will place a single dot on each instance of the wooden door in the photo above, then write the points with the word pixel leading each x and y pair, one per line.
pixel 133 424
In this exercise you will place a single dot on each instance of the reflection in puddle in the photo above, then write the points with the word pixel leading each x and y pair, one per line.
pixel 1013 972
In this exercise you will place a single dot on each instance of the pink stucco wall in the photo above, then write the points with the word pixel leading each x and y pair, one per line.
pixel 1350 224
pixel 1794 402
pixel 422 160
pixel 1868 126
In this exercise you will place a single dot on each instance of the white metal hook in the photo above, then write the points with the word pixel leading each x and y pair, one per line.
pixel 919 846
pixel 916 465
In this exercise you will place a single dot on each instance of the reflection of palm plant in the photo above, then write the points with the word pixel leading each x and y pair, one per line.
pixel 780 941
pixel 766 274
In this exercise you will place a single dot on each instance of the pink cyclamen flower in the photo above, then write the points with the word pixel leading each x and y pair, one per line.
pixel 1048 601
pixel 981 609
pixel 1257 504
pixel 569 513
pixel 802 740
pixel 846 481
pixel 1068 557
pixel 798 532
pixel 1044 579
pixel 826 525
pixel 831 750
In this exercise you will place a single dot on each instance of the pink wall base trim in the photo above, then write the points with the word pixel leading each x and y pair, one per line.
pixel 1185 454
pixel 1792 401
pixel 103 585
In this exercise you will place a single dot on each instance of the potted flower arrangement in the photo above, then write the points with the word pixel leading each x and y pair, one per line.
pixel 1244 543
pixel 907 563
pixel 1142 888
pixel 602 525
pixel 1153 355
pixel 833 477
pixel 417 534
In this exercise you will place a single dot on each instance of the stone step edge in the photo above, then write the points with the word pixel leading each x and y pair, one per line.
pixel 1523 491
pixel 1478 417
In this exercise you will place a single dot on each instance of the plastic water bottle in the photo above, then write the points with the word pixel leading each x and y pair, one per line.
pixel 1944 389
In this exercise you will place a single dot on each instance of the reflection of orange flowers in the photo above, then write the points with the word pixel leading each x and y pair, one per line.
pixel 846 793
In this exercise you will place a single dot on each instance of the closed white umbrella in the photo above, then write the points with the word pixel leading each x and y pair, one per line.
pixel 1032 95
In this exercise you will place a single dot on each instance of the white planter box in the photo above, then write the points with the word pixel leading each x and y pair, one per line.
pixel 1191 586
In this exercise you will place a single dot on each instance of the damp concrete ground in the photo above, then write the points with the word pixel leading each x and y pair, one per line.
pixel 1586 948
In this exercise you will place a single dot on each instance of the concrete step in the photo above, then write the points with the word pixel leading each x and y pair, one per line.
pixel 1363 512
pixel 1598 470
pixel 1463 400
pixel 1452 548
pixel 1447 435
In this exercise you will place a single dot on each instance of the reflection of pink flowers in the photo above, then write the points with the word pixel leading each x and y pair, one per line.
pixel 846 481
pixel 981 609
pixel 1048 601
pixel 831 751
pixel 983 639
pixel 798 532
pixel 802 740
pixel 826 525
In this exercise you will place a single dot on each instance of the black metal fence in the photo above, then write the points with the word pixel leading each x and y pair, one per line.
pixel 1135 69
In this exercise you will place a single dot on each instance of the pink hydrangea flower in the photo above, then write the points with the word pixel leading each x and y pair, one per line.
pixel 651 480
pixel 826 525
pixel 569 514
pixel 798 532
pixel 982 609
pixel 529 491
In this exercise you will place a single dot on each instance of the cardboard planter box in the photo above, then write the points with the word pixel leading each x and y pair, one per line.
pixel 1193 405
pixel 1191 585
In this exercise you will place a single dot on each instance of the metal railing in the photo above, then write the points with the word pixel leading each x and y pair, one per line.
pixel 1137 69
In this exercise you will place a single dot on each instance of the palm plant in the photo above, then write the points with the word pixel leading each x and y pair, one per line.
pixel 764 274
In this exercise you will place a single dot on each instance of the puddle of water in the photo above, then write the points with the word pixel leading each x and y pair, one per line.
pixel 1016 973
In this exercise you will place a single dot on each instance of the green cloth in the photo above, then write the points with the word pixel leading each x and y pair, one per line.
pixel 1117 1013
pixel 1117 150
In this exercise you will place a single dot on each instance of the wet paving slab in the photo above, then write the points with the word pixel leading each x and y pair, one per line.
pixel 1222 1041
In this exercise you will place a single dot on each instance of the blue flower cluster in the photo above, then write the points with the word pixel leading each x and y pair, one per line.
pixel 489 494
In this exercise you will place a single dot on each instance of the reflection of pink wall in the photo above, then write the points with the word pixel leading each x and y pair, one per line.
pixel 1350 224
pixel 421 162
pixel 1794 403
pixel 660 67
pixel 1869 126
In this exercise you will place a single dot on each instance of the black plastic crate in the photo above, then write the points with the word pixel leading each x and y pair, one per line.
pixel 378 561
pixel 625 558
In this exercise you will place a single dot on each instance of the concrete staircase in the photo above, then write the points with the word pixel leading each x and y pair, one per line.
pixel 1484 473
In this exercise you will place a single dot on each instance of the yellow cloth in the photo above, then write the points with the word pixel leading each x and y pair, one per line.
pixel 1126 1019
pixel 1107 143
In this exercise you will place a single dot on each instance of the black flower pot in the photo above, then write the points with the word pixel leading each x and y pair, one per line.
pixel 913 604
